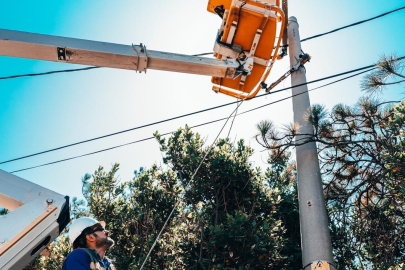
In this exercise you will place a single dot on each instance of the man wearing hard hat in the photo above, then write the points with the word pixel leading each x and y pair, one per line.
pixel 90 242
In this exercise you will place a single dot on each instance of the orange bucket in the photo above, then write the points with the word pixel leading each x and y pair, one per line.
pixel 248 31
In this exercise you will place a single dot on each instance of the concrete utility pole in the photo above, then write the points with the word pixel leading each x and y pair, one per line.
pixel 315 237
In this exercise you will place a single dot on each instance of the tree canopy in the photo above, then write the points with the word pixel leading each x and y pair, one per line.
pixel 229 216
pixel 361 152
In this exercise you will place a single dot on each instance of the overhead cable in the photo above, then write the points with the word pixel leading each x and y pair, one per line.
pixel 47 73
pixel 199 125
pixel 350 25
pixel 178 117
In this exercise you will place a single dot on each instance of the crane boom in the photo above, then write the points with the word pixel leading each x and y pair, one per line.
pixel 103 54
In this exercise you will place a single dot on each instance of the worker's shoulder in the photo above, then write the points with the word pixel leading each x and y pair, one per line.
pixel 77 260
pixel 78 255
pixel 78 252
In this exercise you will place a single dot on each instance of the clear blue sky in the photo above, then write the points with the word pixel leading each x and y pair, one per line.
pixel 40 113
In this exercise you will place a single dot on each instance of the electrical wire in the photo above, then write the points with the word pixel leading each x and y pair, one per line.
pixel 201 54
pixel 177 117
pixel 233 120
pixel 277 101
pixel 47 73
pixel 116 133
pixel 199 125
pixel 353 24
pixel 349 25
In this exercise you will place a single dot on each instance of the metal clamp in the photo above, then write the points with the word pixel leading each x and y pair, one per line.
pixel 141 56
pixel 300 63
pixel 303 58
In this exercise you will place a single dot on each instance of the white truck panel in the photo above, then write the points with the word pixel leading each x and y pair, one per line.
pixel 37 217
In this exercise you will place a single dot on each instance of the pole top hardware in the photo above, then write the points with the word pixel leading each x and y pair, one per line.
pixel 303 58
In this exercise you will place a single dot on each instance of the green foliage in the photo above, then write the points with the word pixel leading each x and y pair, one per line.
pixel 394 157
pixel 134 212
pixel 234 208
pixel 281 180
pixel 58 251
pixel 388 72
pixel 229 215
pixel 362 157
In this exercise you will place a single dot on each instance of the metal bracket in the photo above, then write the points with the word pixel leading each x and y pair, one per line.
pixel 142 57
pixel 232 32
pixel 303 58
pixel 296 66
pixel 61 53
pixel 227 51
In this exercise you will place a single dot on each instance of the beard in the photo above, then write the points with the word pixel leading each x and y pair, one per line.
pixel 105 242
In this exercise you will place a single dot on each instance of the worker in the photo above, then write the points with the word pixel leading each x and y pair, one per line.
pixel 90 241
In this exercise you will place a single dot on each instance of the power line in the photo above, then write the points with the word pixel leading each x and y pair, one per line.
pixel 117 133
pixel 203 124
pixel 176 117
pixel 350 25
pixel 47 73
pixel 345 78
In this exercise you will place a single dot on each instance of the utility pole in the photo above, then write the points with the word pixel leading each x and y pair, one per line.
pixel 315 236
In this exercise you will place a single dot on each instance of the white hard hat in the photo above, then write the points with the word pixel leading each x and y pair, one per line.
pixel 78 227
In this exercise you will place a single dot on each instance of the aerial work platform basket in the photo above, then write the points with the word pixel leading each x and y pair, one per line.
pixel 251 32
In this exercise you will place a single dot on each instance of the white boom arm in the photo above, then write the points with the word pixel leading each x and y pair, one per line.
pixel 102 54
pixel 38 215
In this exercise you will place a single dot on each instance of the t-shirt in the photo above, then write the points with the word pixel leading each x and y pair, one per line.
pixel 78 259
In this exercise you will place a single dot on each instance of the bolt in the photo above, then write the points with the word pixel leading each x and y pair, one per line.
pixel 3 240
pixel 309 203
pixel 49 201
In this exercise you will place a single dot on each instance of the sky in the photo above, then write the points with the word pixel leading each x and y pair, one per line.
pixel 45 112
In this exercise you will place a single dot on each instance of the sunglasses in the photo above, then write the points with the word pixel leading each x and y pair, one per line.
pixel 97 229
